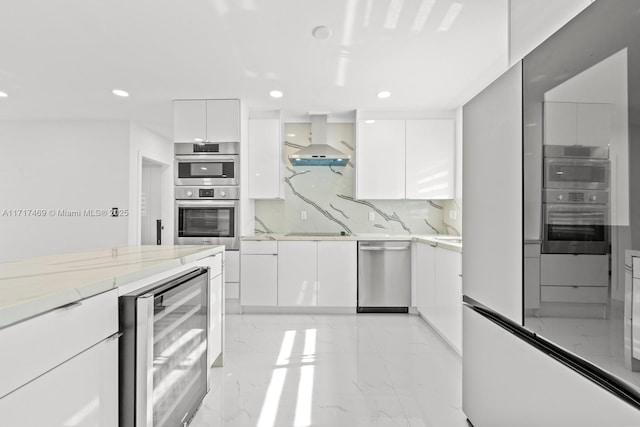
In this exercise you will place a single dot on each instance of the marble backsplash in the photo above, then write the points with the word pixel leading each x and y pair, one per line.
pixel 326 195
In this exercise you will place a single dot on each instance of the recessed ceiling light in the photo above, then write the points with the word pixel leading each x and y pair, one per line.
pixel 291 135
pixel 384 94
pixel 276 94
pixel 3 95
pixel 369 121
pixel 321 32
pixel 120 92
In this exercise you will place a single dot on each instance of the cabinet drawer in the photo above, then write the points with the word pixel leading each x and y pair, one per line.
pixel 259 248
pixel 34 346
pixel 574 270
pixel 581 294
pixel 232 266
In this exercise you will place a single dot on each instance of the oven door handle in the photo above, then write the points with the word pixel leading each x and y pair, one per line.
pixel 207 204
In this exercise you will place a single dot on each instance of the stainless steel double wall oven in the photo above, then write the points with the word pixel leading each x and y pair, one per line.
pixel 206 194
pixel 575 200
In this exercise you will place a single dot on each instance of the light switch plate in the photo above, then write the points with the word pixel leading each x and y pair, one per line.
pixel 372 216
pixel 303 215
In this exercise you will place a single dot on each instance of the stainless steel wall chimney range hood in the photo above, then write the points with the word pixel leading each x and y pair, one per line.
pixel 319 153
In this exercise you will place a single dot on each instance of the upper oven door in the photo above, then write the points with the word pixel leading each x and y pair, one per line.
pixel 585 174
pixel 206 170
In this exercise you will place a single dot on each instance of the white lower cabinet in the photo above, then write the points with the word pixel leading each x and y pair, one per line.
pixel 439 291
pixel 297 273
pixel 425 279
pixel 337 274
pixel 81 392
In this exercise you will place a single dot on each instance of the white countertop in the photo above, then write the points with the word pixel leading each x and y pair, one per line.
pixel 34 286
pixel 430 239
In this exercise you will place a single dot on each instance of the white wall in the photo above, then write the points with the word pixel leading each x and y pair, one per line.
pixel 55 165
pixel 145 143
pixel 533 21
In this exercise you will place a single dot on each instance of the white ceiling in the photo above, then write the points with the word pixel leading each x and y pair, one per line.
pixel 61 59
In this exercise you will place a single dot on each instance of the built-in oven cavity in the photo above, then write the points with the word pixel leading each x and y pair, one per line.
pixel 206 221
pixel 206 164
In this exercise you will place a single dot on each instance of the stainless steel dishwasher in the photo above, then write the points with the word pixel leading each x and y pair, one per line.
pixel 384 277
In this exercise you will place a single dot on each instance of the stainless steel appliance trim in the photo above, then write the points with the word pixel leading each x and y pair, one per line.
pixel 206 158
pixel 576 151
pixel 230 193
pixel 182 149
pixel 379 248
pixel 207 203
pixel 144 361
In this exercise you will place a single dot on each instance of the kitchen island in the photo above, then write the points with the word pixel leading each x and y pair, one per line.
pixel 59 328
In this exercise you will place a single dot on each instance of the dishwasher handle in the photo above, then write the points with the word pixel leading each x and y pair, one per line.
pixel 382 248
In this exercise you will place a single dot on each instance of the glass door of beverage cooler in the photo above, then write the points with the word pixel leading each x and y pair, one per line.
pixel 164 362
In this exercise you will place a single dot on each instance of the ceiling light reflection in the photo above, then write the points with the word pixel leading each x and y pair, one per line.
pixel 393 14
pixel 349 18
pixel 450 17
pixel 423 14
pixel 341 76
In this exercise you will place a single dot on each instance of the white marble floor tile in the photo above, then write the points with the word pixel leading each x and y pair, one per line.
pixel 333 370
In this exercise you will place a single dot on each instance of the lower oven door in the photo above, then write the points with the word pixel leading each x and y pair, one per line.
pixel 206 222
pixel 575 229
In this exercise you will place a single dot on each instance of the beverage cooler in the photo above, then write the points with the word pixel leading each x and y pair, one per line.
pixel 163 351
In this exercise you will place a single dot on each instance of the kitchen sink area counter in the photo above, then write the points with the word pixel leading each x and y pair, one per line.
pixel 34 286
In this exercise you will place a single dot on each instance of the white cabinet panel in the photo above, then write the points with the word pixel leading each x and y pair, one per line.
pixel 34 346
pixel 380 163
pixel 265 159
pixel 337 274
pixel 430 151
pixel 532 283
pixel 258 247
pixel 223 120
pixel 215 318
pixel 492 135
pixel 232 266
pixel 560 123
pixel 425 279
pixel 82 392
pixel 579 294
pixel 594 124
pixel 297 273
pixel 259 280
pixel 448 306
pixel 574 270
pixel 189 121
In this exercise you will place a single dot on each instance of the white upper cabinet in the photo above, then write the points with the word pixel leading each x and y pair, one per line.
pixel 571 123
pixel 223 120
pixel 405 159
pixel 189 121
pixel 430 151
pixel 265 159
pixel 380 159
pixel 213 120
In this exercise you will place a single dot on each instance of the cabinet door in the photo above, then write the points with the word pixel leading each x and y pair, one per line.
pixel 259 280
pixel 532 283
pixel 594 124
pixel 560 123
pixel 81 392
pixel 448 319
pixel 380 163
pixel 265 159
pixel 189 121
pixel 223 120
pixel 337 274
pixel 430 159
pixel 297 274
pixel 425 280
pixel 232 274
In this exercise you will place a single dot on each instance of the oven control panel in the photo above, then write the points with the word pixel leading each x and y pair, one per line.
pixel 206 193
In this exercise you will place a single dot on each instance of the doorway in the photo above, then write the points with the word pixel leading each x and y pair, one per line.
pixel 151 218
